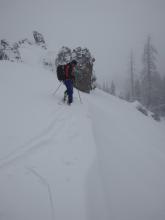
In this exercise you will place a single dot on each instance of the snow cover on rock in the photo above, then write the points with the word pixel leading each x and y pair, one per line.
pixel 98 160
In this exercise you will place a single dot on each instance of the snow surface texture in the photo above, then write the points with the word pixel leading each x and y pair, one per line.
pixel 99 160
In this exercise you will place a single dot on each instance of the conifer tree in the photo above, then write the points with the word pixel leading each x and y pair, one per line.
pixel 132 83
pixel 113 89
pixel 137 91
pixel 64 56
pixel 149 74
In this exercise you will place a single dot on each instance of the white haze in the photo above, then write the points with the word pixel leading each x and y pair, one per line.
pixel 109 28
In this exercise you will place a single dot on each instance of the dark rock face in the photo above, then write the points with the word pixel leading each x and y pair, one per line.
pixel 39 39
pixel 84 69
pixel 83 80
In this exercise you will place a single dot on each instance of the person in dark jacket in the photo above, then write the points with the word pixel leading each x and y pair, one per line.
pixel 69 70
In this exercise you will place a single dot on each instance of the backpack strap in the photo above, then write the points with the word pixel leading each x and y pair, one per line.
pixel 67 71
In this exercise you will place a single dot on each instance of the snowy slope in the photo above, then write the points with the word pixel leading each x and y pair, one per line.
pixel 98 160
pixel 131 155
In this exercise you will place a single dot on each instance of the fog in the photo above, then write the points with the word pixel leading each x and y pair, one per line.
pixel 110 29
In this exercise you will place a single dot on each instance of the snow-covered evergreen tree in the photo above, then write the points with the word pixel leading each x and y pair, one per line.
pixel 137 90
pixel 149 74
pixel 39 39
pixel 112 89
pixel 24 42
pixel 16 52
pixel 163 97
pixel 64 56
pixel 9 52
pixel 105 86
pixel 132 78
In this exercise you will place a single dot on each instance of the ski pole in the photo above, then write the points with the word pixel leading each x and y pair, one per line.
pixel 79 95
pixel 57 89
pixel 76 78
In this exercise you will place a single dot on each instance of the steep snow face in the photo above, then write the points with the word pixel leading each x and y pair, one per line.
pixel 102 159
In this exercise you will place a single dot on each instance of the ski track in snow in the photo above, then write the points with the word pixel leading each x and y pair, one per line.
pixel 47 185
pixel 35 142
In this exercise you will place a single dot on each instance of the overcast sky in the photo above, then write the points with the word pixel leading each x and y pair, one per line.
pixel 108 28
